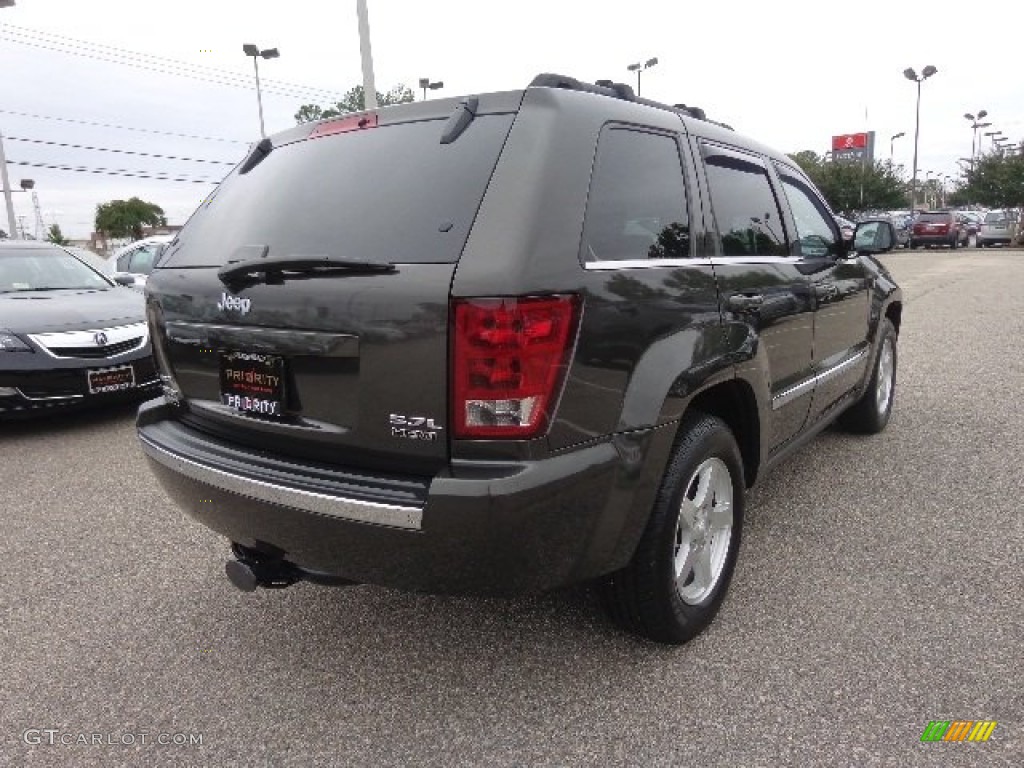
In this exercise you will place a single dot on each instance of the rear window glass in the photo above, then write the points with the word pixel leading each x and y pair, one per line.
pixel 388 194
pixel 932 217
pixel 995 216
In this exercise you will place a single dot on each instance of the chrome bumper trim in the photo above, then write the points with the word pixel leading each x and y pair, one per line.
pixel 409 518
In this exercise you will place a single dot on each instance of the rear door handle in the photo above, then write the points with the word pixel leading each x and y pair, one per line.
pixel 746 302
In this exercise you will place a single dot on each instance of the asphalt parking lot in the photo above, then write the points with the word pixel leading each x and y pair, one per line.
pixel 880 586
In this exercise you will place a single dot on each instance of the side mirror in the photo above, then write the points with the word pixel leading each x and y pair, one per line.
pixel 874 237
pixel 123 278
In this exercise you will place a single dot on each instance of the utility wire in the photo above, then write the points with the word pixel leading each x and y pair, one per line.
pixel 109 50
pixel 112 172
pixel 120 151
pixel 159 65
pixel 121 127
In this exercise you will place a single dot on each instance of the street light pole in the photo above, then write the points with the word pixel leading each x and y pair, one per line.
pixel 975 125
pixel 12 224
pixel 426 85
pixel 640 67
pixel 893 138
pixel 369 88
pixel 270 53
pixel 910 74
pixel 8 200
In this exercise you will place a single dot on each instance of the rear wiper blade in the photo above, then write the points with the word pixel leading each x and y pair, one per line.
pixel 274 270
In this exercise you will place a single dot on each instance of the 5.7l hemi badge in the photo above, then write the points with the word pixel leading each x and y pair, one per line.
pixel 414 427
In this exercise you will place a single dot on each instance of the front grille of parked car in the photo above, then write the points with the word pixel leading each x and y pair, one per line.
pixel 98 352
pixel 93 344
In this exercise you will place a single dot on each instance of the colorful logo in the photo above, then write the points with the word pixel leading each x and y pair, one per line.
pixel 958 730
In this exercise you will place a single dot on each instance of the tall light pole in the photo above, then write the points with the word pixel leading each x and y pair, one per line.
pixel 369 87
pixel 640 67
pixel 911 75
pixel 270 53
pixel 893 138
pixel 426 85
pixel 12 224
pixel 993 135
pixel 975 125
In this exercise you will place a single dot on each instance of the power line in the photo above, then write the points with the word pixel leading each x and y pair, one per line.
pixel 112 172
pixel 163 66
pixel 109 50
pixel 121 127
pixel 120 151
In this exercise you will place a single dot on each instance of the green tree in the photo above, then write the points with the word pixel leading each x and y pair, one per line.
pixel 808 161
pixel 54 235
pixel 353 101
pixel 841 182
pixel 126 218
pixel 997 182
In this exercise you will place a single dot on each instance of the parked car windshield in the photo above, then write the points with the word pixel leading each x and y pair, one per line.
pixel 389 194
pixel 45 270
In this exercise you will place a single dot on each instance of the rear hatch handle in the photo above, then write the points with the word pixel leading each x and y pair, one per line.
pixel 274 271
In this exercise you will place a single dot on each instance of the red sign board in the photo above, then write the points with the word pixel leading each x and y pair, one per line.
pixel 849 141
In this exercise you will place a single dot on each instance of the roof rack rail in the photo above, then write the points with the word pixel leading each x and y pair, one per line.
pixel 617 91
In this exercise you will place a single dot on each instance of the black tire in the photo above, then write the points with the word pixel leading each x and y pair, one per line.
pixel 644 597
pixel 913 245
pixel 955 242
pixel 868 416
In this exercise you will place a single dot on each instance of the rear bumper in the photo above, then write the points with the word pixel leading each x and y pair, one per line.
pixel 995 239
pixel 945 239
pixel 476 527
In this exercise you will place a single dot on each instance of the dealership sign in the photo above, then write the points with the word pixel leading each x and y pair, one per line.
pixel 854 146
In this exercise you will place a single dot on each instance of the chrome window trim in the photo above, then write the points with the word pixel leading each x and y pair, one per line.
pixel 601 266
pixel 783 398
pixel 392 516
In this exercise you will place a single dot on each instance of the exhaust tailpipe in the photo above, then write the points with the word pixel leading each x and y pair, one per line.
pixel 252 569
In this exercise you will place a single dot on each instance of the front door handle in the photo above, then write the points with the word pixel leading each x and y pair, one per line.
pixel 746 302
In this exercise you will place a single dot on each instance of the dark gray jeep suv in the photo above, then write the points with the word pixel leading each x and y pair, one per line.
pixel 507 343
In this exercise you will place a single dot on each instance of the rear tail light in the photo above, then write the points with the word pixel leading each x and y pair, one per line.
pixel 509 357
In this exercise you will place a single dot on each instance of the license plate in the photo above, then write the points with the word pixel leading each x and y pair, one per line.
pixel 111 379
pixel 252 383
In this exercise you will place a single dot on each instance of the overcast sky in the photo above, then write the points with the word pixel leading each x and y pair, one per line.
pixel 789 74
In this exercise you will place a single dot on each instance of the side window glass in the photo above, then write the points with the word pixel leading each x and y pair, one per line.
pixel 142 260
pixel 124 260
pixel 815 234
pixel 637 204
pixel 746 212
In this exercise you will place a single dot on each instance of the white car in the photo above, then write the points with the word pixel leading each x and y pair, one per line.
pixel 136 260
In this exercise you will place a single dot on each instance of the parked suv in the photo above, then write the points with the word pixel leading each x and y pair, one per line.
pixel 938 228
pixel 997 228
pixel 508 343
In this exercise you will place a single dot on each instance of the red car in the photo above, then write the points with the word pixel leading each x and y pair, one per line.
pixel 938 228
